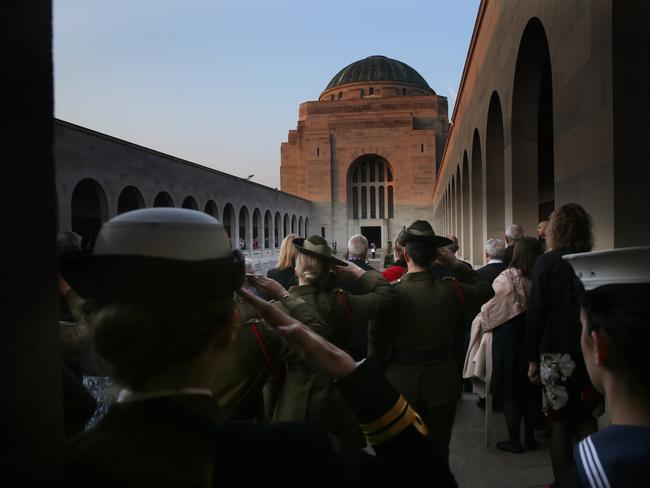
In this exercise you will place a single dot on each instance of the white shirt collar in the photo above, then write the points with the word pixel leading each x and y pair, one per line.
pixel 127 395
pixel 495 261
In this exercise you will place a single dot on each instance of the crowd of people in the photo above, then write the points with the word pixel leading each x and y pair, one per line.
pixel 330 369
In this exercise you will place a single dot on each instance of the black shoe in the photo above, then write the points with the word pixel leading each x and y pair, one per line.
pixel 510 446
pixel 531 444
pixel 480 403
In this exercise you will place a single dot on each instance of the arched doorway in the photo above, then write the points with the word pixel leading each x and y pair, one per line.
pixel 477 200
pixel 244 222
pixel 268 225
pixel 306 226
pixel 370 197
pixel 190 203
pixel 130 199
pixel 533 181
pixel 294 225
pixel 301 232
pixel 211 209
pixel 229 223
pixel 466 244
pixel 277 229
pixel 89 209
pixel 494 171
pixel 257 228
pixel 163 199
pixel 285 226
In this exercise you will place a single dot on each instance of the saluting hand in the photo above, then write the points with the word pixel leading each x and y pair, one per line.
pixel 350 271
pixel 269 287
pixel 447 258
pixel 321 355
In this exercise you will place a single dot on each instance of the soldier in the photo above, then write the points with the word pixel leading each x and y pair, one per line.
pixel 414 342
pixel 306 395
pixel 159 296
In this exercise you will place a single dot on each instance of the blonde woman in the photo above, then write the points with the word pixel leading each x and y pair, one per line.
pixel 284 272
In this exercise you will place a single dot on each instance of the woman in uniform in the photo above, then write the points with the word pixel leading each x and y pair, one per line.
pixel 306 395
pixel 159 293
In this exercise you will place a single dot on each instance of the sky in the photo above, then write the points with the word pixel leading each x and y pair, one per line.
pixel 219 82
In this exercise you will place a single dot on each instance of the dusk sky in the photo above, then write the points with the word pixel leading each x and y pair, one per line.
pixel 219 83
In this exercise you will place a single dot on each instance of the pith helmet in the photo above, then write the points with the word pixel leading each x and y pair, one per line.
pixel 421 230
pixel 317 246
pixel 159 254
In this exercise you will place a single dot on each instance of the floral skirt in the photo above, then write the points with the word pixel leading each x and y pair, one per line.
pixel 568 394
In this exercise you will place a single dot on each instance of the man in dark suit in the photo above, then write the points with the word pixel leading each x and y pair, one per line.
pixel 494 251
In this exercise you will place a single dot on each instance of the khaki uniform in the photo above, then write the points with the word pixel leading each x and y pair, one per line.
pixel 414 343
pixel 306 395
pixel 245 367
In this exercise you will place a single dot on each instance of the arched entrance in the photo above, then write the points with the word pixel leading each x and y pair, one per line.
pixel 163 199
pixel 130 199
pixel 89 210
pixel 370 198
pixel 494 171
pixel 211 209
pixel 245 243
pixel 190 203
pixel 477 200
pixel 229 223
pixel 257 228
pixel 467 240
pixel 533 181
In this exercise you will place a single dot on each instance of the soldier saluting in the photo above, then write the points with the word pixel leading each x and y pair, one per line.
pixel 414 342
pixel 306 394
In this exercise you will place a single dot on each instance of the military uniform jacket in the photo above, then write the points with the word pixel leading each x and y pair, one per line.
pixel 256 353
pixel 306 395
pixel 184 441
pixel 414 342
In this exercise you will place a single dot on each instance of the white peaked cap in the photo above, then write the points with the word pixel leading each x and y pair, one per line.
pixel 174 233
pixel 612 267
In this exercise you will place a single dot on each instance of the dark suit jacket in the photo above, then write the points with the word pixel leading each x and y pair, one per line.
pixel 507 255
pixel 490 271
pixel 286 277
pixel 184 441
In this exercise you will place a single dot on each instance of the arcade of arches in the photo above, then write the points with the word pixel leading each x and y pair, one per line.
pixel 538 132
pixel 89 194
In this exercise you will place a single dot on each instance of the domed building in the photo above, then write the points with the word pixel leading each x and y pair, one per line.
pixel 366 153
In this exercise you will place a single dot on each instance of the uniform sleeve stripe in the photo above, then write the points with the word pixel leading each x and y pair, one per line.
pixel 596 459
pixel 586 465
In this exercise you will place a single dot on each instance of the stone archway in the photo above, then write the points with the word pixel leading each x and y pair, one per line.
pixel 190 203
pixel 163 199
pixel 229 224
pixel 130 199
pixel 212 209
pixel 466 242
pixel 89 210
pixel 494 171
pixel 533 182
pixel 477 200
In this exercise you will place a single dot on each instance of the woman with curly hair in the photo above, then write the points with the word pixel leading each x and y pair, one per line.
pixel 553 335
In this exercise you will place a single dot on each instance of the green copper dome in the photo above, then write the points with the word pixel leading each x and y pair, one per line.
pixel 378 68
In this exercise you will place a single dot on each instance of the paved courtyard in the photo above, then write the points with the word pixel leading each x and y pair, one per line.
pixel 476 465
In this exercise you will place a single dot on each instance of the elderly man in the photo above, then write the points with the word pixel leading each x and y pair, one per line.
pixel 358 251
pixel 494 251
pixel 513 233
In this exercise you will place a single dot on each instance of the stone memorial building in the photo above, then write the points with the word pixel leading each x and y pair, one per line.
pixel 365 154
